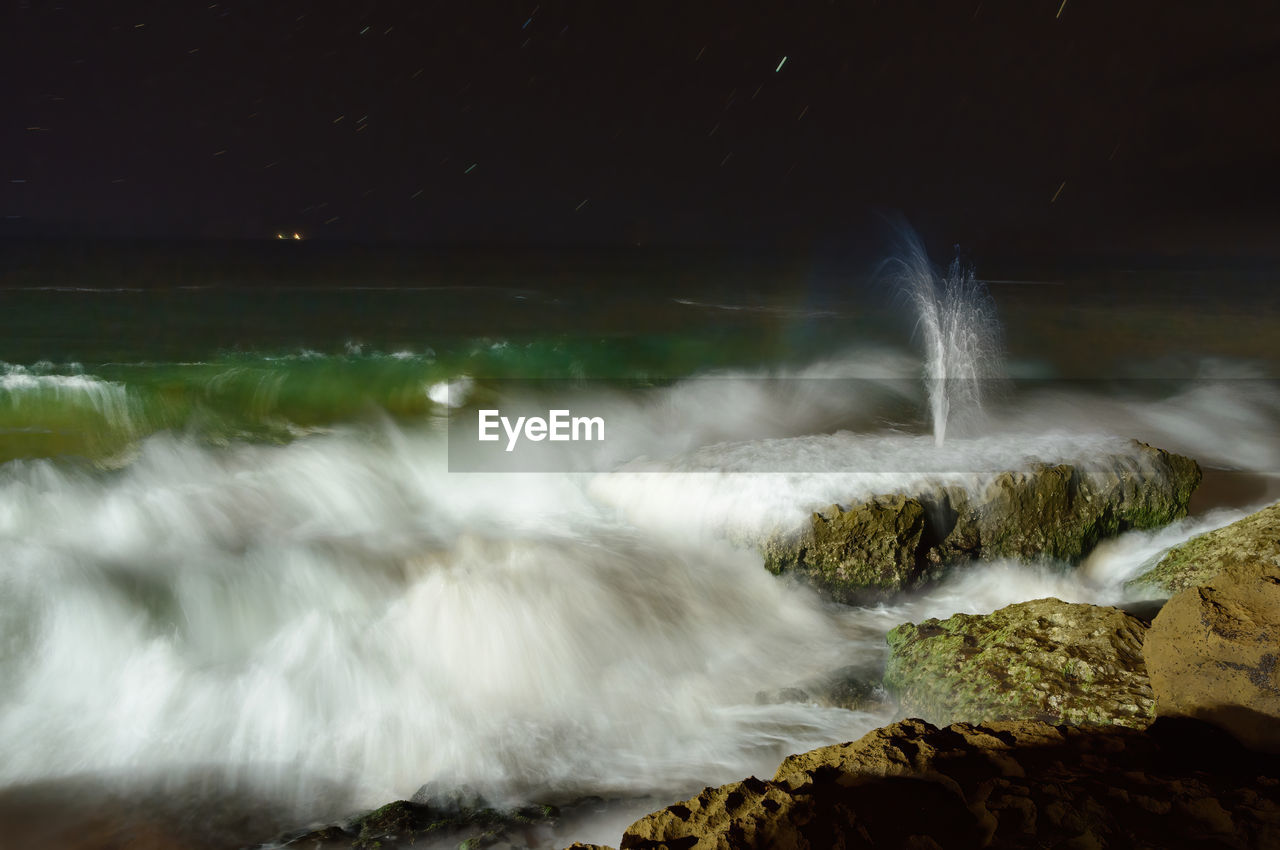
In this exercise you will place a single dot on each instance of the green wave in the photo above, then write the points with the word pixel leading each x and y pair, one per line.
pixel 99 411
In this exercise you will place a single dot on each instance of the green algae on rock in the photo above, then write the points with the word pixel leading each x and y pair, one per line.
pixel 1045 659
pixel 1064 511
pixel 892 543
pixel 1254 539
pixel 871 546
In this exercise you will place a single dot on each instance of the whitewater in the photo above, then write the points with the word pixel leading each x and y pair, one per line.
pixel 245 585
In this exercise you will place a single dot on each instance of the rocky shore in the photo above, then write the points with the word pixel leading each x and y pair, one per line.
pixel 1073 725
pixel 1005 784
pixel 1041 724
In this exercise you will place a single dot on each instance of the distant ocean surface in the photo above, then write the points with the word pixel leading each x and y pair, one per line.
pixel 234 565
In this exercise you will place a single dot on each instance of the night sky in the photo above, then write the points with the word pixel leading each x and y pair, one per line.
pixel 1037 125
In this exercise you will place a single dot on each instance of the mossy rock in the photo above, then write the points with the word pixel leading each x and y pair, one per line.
pixel 1254 539
pixel 845 552
pixel 877 548
pixel 1063 511
pixel 1046 659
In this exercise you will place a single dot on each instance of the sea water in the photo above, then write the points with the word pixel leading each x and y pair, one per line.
pixel 241 590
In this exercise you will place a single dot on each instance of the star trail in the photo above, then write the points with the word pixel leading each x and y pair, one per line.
pixel 1045 124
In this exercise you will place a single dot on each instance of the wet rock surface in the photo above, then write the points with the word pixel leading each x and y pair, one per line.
pixel 1045 659
pixel 1252 540
pixel 893 543
pixel 1002 785
pixel 870 548
pixel 853 687
pixel 405 823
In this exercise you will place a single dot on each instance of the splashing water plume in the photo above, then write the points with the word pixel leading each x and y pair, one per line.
pixel 961 336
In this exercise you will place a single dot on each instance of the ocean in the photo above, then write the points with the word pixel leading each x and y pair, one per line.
pixel 247 584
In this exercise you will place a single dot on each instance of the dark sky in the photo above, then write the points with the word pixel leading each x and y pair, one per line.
pixel 1143 126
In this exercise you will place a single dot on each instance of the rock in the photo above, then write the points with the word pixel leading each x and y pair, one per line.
pixel 782 695
pixel 882 546
pixel 1003 785
pixel 850 688
pixel 870 546
pixel 327 837
pixel 1046 659
pixel 1062 512
pixel 853 688
pixel 1256 538
pixel 406 823
pixel 1212 650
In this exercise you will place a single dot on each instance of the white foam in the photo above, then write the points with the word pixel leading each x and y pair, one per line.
pixel 451 393
pixel 345 610
pixel 747 488
pixel 20 386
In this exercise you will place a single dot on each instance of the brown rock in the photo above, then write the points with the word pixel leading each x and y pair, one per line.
pixel 1003 785
pixel 1212 650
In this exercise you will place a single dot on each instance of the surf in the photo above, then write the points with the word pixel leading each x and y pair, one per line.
pixel 958 326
